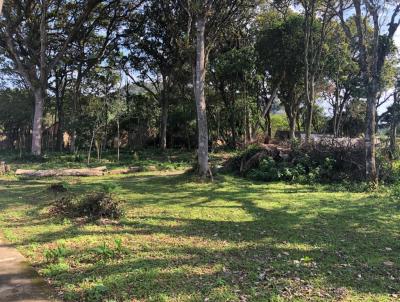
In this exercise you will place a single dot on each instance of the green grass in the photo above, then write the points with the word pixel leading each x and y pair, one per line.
pixel 171 159
pixel 231 240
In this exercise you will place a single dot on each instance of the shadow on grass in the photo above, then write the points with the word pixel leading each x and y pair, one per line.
pixel 283 233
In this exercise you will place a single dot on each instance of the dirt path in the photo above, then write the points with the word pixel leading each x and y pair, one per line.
pixel 18 281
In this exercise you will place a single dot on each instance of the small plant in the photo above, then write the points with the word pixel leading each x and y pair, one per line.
pixel 119 248
pixel 94 290
pixel 104 251
pixel 118 245
pixel 55 269
pixel 109 187
pixel 56 254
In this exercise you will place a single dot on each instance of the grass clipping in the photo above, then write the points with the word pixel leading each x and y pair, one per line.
pixel 93 206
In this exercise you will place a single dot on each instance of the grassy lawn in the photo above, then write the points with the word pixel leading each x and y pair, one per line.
pixel 231 240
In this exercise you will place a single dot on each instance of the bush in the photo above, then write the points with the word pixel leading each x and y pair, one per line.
pixel 320 162
pixel 95 205
pixel 100 205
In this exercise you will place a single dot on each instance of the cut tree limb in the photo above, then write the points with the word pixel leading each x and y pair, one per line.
pixel 99 171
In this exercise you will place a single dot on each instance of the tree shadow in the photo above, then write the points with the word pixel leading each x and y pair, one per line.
pixel 271 239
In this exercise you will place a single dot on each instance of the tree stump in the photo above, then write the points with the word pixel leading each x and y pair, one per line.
pixel 4 168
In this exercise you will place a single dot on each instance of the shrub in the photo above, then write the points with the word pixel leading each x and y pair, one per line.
pixel 100 205
pixel 320 162
pixel 93 205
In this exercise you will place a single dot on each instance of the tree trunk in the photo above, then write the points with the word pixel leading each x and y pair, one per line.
pixel 310 109
pixel 118 139
pixel 292 127
pixel 232 122
pixel 164 122
pixel 37 122
pixel 200 98
pixel 247 124
pixel 393 126
pixel 393 134
pixel 40 90
pixel 72 146
pixel 370 139
pixel 90 146
pixel 268 127
pixel 59 96
pixel 76 100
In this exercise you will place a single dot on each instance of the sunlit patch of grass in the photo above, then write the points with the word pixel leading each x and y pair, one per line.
pixel 230 240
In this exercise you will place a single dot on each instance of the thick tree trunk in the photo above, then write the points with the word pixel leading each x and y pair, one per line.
pixel 370 137
pixel 164 122
pixel 200 73
pixel 37 122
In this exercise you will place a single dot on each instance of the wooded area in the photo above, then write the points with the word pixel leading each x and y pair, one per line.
pixel 110 74
pixel 199 150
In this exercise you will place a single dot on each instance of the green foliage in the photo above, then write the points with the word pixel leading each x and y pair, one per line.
pixel 301 171
pixel 94 290
pixel 55 269
pixel 307 163
pixel 110 252
pixel 56 254
pixel 178 230
pixel 279 122
pixel 104 251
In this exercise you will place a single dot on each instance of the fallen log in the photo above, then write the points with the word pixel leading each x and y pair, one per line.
pixel 62 172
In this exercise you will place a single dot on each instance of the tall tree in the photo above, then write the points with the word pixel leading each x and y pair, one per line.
pixel 34 52
pixel 155 52
pixel 280 47
pixel 211 18
pixel 373 43
pixel 317 20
